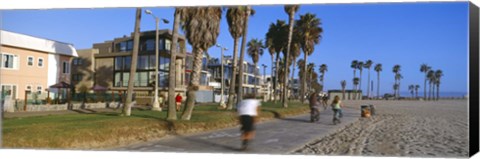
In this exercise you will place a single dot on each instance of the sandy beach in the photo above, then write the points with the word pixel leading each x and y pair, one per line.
pixel 401 128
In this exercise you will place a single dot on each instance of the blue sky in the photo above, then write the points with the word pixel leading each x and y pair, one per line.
pixel 407 34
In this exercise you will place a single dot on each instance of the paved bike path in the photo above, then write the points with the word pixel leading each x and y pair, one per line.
pixel 278 136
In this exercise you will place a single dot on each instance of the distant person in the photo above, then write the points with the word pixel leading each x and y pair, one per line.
pixel 337 110
pixel 325 101
pixel 248 111
pixel 314 106
pixel 178 100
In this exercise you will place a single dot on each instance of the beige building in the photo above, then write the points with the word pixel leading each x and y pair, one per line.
pixel 32 64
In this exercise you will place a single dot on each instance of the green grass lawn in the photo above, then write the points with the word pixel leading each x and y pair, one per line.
pixel 99 130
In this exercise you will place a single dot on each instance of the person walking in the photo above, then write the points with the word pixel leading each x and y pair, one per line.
pixel 248 111
pixel 337 109
pixel 314 108
pixel 178 100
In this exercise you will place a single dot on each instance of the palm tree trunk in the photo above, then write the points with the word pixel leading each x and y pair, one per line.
pixel 354 75
pixel 242 54
pixel 271 80
pixel 231 91
pixel 304 77
pixel 293 72
pixel 438 92
pixel 172 113
pixel 133 68
pixel 425 87
pixel 290 31
pixel 194 83
pixel 255 88
pixel 378 84
pixel 277 73
pixel 368 84
pixel 360 85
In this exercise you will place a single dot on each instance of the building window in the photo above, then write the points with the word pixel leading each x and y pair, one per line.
pixel 39 89
pixel 9 61
pixel 164 63
pixel 141 79
pixel 30 60
pixel 142 62
pixel 8 92
pixel 28 88
pixel 40 62
pixel 150 45
pixel 168 44
pixel 66 67
pixel 77 77
pixel 130 45
pixel 77 61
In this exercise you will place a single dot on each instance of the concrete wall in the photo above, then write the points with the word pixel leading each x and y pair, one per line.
pixel 55 107
pixel 204 96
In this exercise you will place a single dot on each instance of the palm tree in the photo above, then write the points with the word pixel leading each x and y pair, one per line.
pixel 425 68
pixel 248 13
pixel 126 111
pixel 398 77
pixel 172 111
pixel 235 19
pixel 416 90
pixel 360 65
pixel 294 53
pixel 378 69
pixel 310 32
pixel 396 70
pixel 431 79
pixel 301 65
pixel 201 26
pixel 343 83
pixel 255 50
pixel 277 39
pixel 354 66
pixel 271 50
pixel 356 81
pixel 323 69
pixel 411 88
pixel 367 65
pixel 395 88
pixel 290 10
pixel 438 76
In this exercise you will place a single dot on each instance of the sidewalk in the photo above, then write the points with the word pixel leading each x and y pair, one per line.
pixel 279 136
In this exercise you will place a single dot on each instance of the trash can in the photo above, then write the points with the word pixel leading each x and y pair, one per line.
pixel 372 109
pixel 365 111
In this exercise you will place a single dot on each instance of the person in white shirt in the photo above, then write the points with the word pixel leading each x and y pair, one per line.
pixel 248 112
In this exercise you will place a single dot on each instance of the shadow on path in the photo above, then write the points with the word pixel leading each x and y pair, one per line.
pixel 209 143
pixel 277 116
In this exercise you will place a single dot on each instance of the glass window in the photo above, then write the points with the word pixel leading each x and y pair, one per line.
pixel 125 77
pixel 142 62
pixel 9 61
pixel 166 63
pixel 127 62
pixel 66 67
pixel 163 79
pixel 118 63
pixel 150 45
pixel 161 44
pixel 118 79
pixel 123 46
pixel 40 62
pixel 30 61
pixel 168 44
pixel 39 89
pixel 130 45
pixel 141 79
pixel 151 62
pixel 28 88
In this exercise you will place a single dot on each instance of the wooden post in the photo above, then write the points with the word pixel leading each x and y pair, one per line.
pixel 48 97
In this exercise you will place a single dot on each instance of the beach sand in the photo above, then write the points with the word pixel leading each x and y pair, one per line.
pixel 401 128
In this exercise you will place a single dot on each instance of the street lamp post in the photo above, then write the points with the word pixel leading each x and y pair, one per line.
pixel 222 103
pixel 156 105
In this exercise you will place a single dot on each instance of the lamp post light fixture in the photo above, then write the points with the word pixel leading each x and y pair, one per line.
pixel 156 105
pixel 222 103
